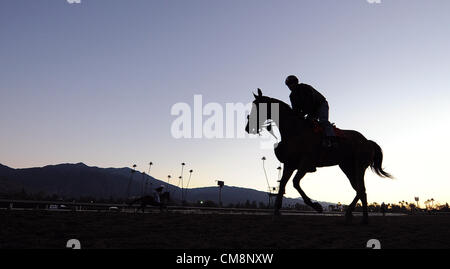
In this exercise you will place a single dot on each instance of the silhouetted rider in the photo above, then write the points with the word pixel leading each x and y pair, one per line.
pixel 156 194
pixel 307 101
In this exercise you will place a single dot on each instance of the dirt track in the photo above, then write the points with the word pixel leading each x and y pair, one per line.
pixel 45 229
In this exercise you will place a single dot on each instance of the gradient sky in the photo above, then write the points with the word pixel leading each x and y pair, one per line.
pixel 94 83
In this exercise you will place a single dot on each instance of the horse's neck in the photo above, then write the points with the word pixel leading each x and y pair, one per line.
pixel 285 127
pixel 289 125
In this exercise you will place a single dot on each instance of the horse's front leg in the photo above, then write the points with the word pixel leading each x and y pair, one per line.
pixel 287 172
pixel 298 176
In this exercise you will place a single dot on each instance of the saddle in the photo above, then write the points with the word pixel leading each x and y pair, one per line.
pixel 319 130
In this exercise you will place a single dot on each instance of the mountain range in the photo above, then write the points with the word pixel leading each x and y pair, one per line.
pixel 79 180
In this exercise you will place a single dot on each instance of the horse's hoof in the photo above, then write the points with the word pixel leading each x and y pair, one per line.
pixel 317 207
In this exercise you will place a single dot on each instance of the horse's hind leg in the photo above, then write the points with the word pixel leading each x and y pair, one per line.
pixel 361 190
pixel 363 196
pixel 349 171
pixel 359 186
pixel 298 176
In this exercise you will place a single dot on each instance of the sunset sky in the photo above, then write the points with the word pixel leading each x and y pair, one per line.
pixel 95 82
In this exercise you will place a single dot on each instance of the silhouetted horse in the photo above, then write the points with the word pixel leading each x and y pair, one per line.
pixel 300 149
pixel 150 200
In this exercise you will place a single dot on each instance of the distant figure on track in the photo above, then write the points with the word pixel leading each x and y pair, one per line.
pixel 383 209
pixel 157 198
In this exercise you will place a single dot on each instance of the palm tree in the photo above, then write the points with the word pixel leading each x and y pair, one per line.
pixel 265 173
pixel 181 179
pixel 168 182
pixel 150 166
pixel 144 184
pixel 187 186
pixel 131 178
pixel 148 179
pixel 279 172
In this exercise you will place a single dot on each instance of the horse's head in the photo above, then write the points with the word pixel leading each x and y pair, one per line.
pixel 260 114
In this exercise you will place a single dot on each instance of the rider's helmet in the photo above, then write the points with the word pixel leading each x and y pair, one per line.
pixel 291 80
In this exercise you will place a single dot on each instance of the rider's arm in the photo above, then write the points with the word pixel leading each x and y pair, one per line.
pixel 296 105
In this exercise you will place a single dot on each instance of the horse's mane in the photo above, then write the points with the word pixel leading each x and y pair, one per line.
pixel 282 104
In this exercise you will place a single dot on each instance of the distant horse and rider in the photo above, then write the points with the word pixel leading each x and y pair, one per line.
pixel 308 140
pixel 158 198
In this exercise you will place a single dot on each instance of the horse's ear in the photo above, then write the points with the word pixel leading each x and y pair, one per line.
pixel 259 92
pixel 256 96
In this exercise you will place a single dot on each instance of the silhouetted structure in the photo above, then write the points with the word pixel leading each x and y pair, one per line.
pixel 220 184
pixel 383 209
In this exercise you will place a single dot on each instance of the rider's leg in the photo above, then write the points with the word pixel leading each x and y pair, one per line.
pixel 325 123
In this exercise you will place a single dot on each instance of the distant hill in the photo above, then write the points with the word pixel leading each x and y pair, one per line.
pixel 79 180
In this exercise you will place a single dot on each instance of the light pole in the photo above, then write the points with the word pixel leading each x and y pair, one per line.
pixel 220 184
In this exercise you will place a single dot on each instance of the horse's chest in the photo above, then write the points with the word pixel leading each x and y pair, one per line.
pixel 288 151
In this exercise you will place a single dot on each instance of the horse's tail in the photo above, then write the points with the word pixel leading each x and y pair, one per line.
pixel 377 160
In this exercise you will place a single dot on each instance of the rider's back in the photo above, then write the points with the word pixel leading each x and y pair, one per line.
pixel 305 99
